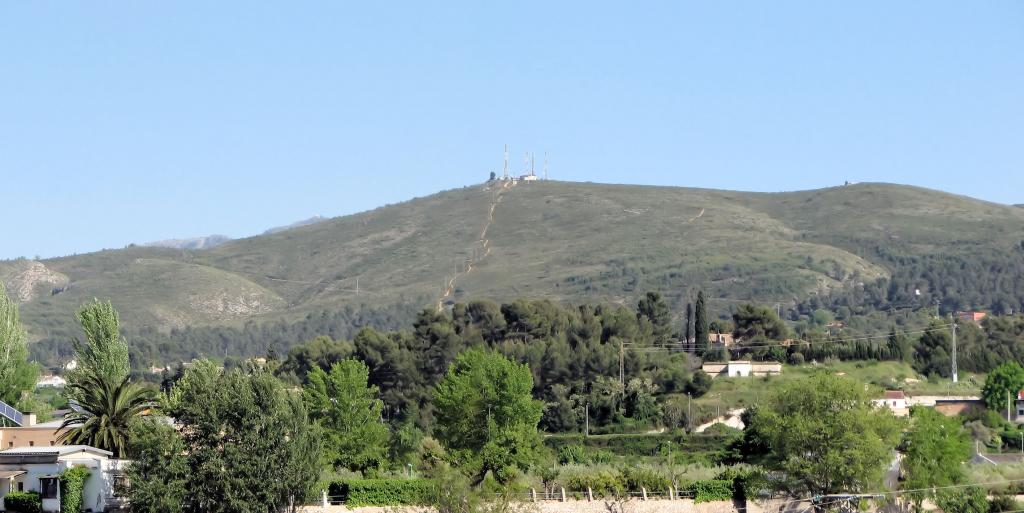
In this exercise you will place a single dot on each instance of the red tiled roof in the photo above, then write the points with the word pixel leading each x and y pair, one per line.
pixel 894 394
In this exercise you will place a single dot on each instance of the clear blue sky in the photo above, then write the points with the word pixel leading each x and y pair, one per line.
pixel 136 121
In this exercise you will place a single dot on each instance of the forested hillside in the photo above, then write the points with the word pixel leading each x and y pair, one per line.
pixel 852 249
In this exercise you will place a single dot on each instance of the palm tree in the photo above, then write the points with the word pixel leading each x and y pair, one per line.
pixel 105 412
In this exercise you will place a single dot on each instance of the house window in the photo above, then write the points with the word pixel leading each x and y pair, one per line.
pixel 21 486
pixel 48 487
pixel 31 443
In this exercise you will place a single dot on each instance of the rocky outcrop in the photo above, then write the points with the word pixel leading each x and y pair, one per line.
pixel 23 284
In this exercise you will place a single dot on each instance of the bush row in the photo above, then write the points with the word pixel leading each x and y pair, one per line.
pixel 712 490
pixel 639 445
pixel 381 492
pixel 604 481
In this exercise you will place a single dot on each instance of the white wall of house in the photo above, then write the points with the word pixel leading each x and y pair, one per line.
pixel 99 487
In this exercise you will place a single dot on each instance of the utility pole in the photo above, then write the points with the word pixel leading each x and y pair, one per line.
pixel 586 433
pixel 357 286
pixel 622 368
pixel 1007 405
pixel 953 327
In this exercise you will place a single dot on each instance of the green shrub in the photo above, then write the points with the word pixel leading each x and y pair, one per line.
pixel 72 489
pixel 573 454
pixel 602 480
pixel 635 478
pixel 23 502
pixel 711 490
pixel 382 492
pixel 747 483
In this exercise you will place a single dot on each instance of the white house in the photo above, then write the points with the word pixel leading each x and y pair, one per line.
pixel 38 469
pixel 1020 407
pixel 742 369
pixel 896 401
pixel 51 381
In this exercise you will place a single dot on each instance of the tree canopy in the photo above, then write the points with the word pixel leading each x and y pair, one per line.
pixel 246 422
pixel 825 436
pixel 486 414
pixel 934 448
pixel 355 436
pixel 1002 385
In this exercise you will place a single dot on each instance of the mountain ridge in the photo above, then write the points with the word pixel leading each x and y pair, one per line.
pixel 564 241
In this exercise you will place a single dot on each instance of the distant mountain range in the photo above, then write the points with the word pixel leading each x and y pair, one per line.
pixel 578 242
pixel 212 241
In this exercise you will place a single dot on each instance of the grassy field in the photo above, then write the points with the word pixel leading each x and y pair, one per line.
pixel 579 242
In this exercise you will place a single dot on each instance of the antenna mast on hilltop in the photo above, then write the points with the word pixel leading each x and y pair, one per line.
pixel 532 161
pixel 505 174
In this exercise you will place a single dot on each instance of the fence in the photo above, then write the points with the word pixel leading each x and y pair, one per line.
pixel 560 495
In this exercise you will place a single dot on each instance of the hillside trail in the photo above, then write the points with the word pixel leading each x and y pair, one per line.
pixel 696 217
pixel 485 246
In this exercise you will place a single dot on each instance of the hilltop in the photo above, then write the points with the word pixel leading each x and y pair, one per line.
pixel 576 242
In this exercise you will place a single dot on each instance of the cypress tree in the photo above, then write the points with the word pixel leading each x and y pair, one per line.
pixel 688 330
pixel 700 324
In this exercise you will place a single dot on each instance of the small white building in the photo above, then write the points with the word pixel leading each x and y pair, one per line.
pixel 742 369
pixel 896 401
pixel 38 469
pixel 1020 407
pixel 51 381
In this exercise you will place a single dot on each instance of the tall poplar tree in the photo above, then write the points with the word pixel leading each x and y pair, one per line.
pixel 105 352
pixel 17 374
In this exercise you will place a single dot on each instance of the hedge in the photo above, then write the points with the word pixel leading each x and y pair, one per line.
pixel 604 482
pixel 711 490
pixel 72 489
pixel 23 502
pixel 382 492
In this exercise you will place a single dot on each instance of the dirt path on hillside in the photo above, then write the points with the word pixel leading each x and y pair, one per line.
pixel 696 217
pixel 485 246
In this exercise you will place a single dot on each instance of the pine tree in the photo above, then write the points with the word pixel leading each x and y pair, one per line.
pixel 700 324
